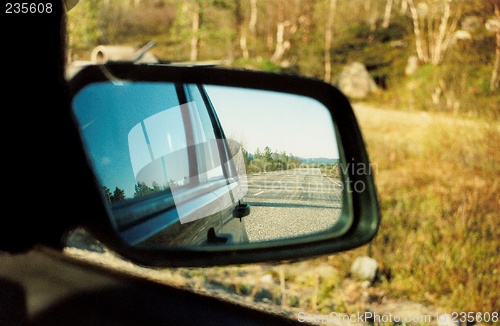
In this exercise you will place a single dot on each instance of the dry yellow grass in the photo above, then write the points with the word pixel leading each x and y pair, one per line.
pixel 439 184
pixel 438 247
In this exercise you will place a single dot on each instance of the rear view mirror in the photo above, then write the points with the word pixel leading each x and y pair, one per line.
pixel 204 166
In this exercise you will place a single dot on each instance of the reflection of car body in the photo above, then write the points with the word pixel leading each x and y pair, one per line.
pixel 169 153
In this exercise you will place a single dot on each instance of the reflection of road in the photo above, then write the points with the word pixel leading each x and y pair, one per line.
pixel 291 203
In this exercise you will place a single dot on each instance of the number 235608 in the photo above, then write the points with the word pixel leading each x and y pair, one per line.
pixel 28 8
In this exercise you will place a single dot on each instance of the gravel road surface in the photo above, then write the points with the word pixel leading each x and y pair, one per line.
pixel 291 203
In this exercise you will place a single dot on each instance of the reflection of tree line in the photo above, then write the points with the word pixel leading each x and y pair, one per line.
pixel 269 160
pixel 115 196
pixel 140 189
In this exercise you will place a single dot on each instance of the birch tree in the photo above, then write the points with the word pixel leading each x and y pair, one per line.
pixel 494 26
pixel 195 31
pixel 245 29
pixel 434 24
pixel 282 44
pixel 387 14
pixel 329 39
pixel 252 23
pixel 404 7
pixel 240 29
pixel 289 23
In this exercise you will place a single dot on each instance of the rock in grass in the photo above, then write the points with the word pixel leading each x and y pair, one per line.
pixel 364 268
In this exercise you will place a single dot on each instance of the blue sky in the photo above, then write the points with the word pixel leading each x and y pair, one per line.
pixel 296 124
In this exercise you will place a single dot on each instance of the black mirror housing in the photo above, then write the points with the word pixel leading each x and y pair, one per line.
pixel 360 206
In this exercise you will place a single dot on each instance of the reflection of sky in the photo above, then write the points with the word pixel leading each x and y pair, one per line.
pixel 107 112
pixel 292 123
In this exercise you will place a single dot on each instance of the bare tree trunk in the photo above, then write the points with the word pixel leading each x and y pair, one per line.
pixel 306 22
pixel 328 40
pixel 438 48
pixel 270 21
pixel 495 82
pixel 252 28
pixel 243 43
pixel 281 44
pixel 242 30
pixel 448 35
pixel 387 14
pixel 253 18
pixel 429 38
pixel 422 56
pixel 195 28
pixel 404 7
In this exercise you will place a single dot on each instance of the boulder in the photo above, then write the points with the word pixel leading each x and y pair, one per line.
pixel 471 23
pixel 364 268
pixel 412 65
pixel 355 81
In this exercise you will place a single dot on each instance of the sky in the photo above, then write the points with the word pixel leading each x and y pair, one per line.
pixel 296 124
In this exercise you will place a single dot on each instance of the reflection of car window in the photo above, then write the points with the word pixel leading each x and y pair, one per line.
pixel 149 137
pixel 158 149
pixel 129 126
pixel 209 158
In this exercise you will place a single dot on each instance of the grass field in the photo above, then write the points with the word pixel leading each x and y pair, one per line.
pixel 439 186
pixel 438 247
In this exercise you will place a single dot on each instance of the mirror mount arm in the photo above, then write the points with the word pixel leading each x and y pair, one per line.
pixel 142 51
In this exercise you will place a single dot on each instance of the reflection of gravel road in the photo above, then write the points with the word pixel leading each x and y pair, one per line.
pixel 291 203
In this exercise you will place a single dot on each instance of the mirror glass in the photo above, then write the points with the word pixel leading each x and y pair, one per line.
pixel 200 165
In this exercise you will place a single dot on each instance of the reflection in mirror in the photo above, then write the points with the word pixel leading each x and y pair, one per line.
pixel 186 164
